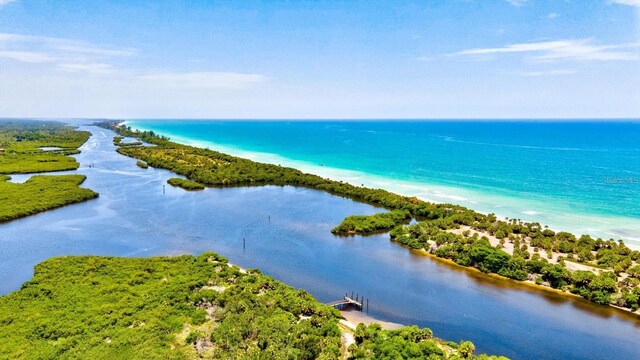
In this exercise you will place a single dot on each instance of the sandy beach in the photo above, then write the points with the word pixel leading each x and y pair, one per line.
pixel 354 317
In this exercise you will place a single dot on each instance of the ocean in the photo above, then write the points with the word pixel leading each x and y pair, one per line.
pixel 578 176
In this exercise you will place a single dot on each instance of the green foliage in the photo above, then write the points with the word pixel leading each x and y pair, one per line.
pixel 21 141
pixel 556 275
pixel 185 184
pixel 411 342
pixel 365 224
pixel 597 288
pixel 40 193
pixel 117 141
pixel 104 307
pixel 634 271
pixel 142 164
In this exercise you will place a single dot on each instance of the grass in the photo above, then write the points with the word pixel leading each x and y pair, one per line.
pixel 40 193
pixel 185 184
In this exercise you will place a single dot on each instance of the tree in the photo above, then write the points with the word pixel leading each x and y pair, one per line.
pixel 634 271
pixel 556 275
pixel 466 349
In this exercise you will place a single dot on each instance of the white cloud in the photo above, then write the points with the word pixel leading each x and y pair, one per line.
pixel 61 47
pixel 576 50
pixel 77 59
pixel 91 68
pixel 552 15
pixel 204 80
pixel 626 2
pixel 545 73
pixel 62 54
pixel 26 56
pixel 5 2
pixel 516 2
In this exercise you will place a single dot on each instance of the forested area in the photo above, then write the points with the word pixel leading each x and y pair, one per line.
pixel 617 281
pixel 409 342
pixel 180 307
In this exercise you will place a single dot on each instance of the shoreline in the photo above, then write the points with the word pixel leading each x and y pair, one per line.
pixel 525 283
pixel 529 285
pixel 353 318
pixel 469 198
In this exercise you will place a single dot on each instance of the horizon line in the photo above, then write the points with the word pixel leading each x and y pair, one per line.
pixel 523 119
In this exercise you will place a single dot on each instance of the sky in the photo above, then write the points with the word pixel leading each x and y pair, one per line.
pixel 443 59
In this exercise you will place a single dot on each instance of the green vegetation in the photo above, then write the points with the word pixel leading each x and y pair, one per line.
pixel 142 164
pixel 432 233
pixel 367 224
pixel 410 342
pixel 20 152
pixel 213 168
pixel 40 193
pixel 185 184
pixel 20 143
pixel 476 251
pixel 157 308
pixel 117 141
pixel 183 307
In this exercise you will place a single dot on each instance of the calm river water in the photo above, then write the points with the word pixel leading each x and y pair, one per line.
pixel 287 232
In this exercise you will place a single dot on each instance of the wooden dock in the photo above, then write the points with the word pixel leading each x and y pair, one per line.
pixel 349 301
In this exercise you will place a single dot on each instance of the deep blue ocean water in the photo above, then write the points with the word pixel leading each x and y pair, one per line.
pixel 571 175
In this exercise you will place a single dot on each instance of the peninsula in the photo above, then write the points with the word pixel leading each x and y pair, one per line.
pixel 603 271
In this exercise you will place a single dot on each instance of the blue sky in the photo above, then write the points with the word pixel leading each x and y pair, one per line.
pixel 329 59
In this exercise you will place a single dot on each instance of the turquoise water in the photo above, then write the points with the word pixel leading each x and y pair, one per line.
pixel 576 176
